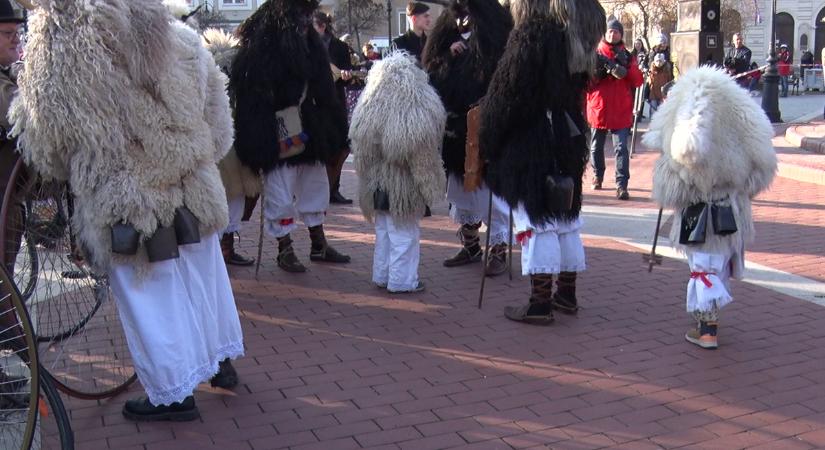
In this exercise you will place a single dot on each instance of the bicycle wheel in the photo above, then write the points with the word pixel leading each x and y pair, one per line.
pixel 54 429
pixel 19 380
pixel 74 316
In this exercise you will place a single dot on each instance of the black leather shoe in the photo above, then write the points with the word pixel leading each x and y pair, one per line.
pixel 227 377
pixel 142 410
pixel 337 198
pixel 238 260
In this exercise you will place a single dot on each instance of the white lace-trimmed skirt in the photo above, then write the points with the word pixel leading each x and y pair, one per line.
pixel 552 247
pixel 180 319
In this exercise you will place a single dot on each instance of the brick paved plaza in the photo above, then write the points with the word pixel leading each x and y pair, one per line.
pixel 335 363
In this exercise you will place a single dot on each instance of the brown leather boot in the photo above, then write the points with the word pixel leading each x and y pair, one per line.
pixel 471 248
pixel 564 300
pixel 228 250
pixel 286 256
pixel 539 310
pixel 497 261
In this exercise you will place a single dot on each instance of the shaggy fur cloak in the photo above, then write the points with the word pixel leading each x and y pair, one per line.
pixel 462 79
pixel 533 80
pixel 716 145
pixel 273 67
pixel 395 135
pixel 130 109
pixel 238 179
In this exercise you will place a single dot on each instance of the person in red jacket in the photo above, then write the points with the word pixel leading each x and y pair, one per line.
pixel 610 106
pixel 785 68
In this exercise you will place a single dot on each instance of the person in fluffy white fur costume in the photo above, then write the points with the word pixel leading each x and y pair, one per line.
pixel 716 151
pixel 133 114
pixel 396 133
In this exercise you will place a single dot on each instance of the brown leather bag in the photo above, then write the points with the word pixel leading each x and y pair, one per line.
pixel 472 156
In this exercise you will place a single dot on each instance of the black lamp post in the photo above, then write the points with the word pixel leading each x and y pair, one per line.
pixel 770 88
pixel 389 24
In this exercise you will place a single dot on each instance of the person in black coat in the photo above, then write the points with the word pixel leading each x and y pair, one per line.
pixel 414 40
pixel 289 122
pixel 532 135
pixel 339 56
pixel 460 57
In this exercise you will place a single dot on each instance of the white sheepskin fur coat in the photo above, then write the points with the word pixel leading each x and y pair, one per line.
pixel 238 179
pixel 716 144
pixel 122 101
pixel 396 133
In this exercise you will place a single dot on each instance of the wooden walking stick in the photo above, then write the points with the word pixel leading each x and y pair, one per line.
pixel 486 250
pixel 260 237
pixel 654 259
pixel 510 246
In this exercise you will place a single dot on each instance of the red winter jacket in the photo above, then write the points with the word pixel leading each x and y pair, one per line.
pixel 610 100
pixel 784 64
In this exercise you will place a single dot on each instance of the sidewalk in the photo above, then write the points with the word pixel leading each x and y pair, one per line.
pixel 335 363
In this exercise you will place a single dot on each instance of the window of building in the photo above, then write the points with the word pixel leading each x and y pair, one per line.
pixel 402 23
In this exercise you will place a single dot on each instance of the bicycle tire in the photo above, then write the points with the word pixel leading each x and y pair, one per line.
pixel 75 317
pixel 65 434
pixel 15 319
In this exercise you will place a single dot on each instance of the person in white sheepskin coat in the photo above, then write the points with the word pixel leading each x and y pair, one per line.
pixel 716 150
pixel 395 134
pixel 132 113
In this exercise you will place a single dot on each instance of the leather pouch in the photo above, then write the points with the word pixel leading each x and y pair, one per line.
pixel 187 229
pixel 125 239
pixel 724 222
pixel 162 245
pixel 559 190
pixel 381 200
pixel 472 154
pixel 694 224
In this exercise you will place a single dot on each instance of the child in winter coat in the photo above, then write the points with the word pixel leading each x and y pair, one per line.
pixel 716 156
pixel 395 134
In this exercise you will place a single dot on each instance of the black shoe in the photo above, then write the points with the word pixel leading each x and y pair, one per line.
pixel 622 194
pixel 328 254
pixel 238 260
pixel 337 198
pixel 227 377
pixel 534 313
pixel 142 410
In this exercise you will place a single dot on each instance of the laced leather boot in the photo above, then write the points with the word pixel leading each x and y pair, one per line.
pixel 539 310
pixel 228 250
pixel 321 250
pixel 286 256
pixel 471 248
pixel 564 300
pixel 497 262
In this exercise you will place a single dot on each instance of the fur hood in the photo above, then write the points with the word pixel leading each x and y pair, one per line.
pixel 222 45
pixel 716 147
pixel 131 111
pixel 395 135
pixel 714 139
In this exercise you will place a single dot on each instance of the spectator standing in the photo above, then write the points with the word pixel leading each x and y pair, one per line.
pixel 660 75
pixel 785 69
pixel 738 58
pixel 610 106
pixel 640 53
pixel 415 38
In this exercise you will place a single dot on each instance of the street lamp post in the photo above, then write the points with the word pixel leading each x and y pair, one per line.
pixel 770 88
pixel 389 24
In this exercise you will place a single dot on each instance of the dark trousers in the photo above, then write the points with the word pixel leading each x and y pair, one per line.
pixel 620 148
pixel 334 168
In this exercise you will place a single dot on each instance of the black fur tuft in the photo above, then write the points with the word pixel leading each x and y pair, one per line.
pixel 276 60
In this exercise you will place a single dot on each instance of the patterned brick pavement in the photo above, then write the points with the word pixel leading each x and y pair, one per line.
pixel 335 363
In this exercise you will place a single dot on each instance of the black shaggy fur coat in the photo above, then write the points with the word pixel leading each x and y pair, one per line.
pixel 517 139
pixel 461 80
pixel 274 63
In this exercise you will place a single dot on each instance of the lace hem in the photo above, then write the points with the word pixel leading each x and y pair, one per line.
pixel 500 238
pixel 555 269
pixel 195 377
pixel 462 217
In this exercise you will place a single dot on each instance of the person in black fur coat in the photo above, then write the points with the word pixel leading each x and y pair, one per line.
pixel 460 56
pixel 532 128
pixel 288 122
